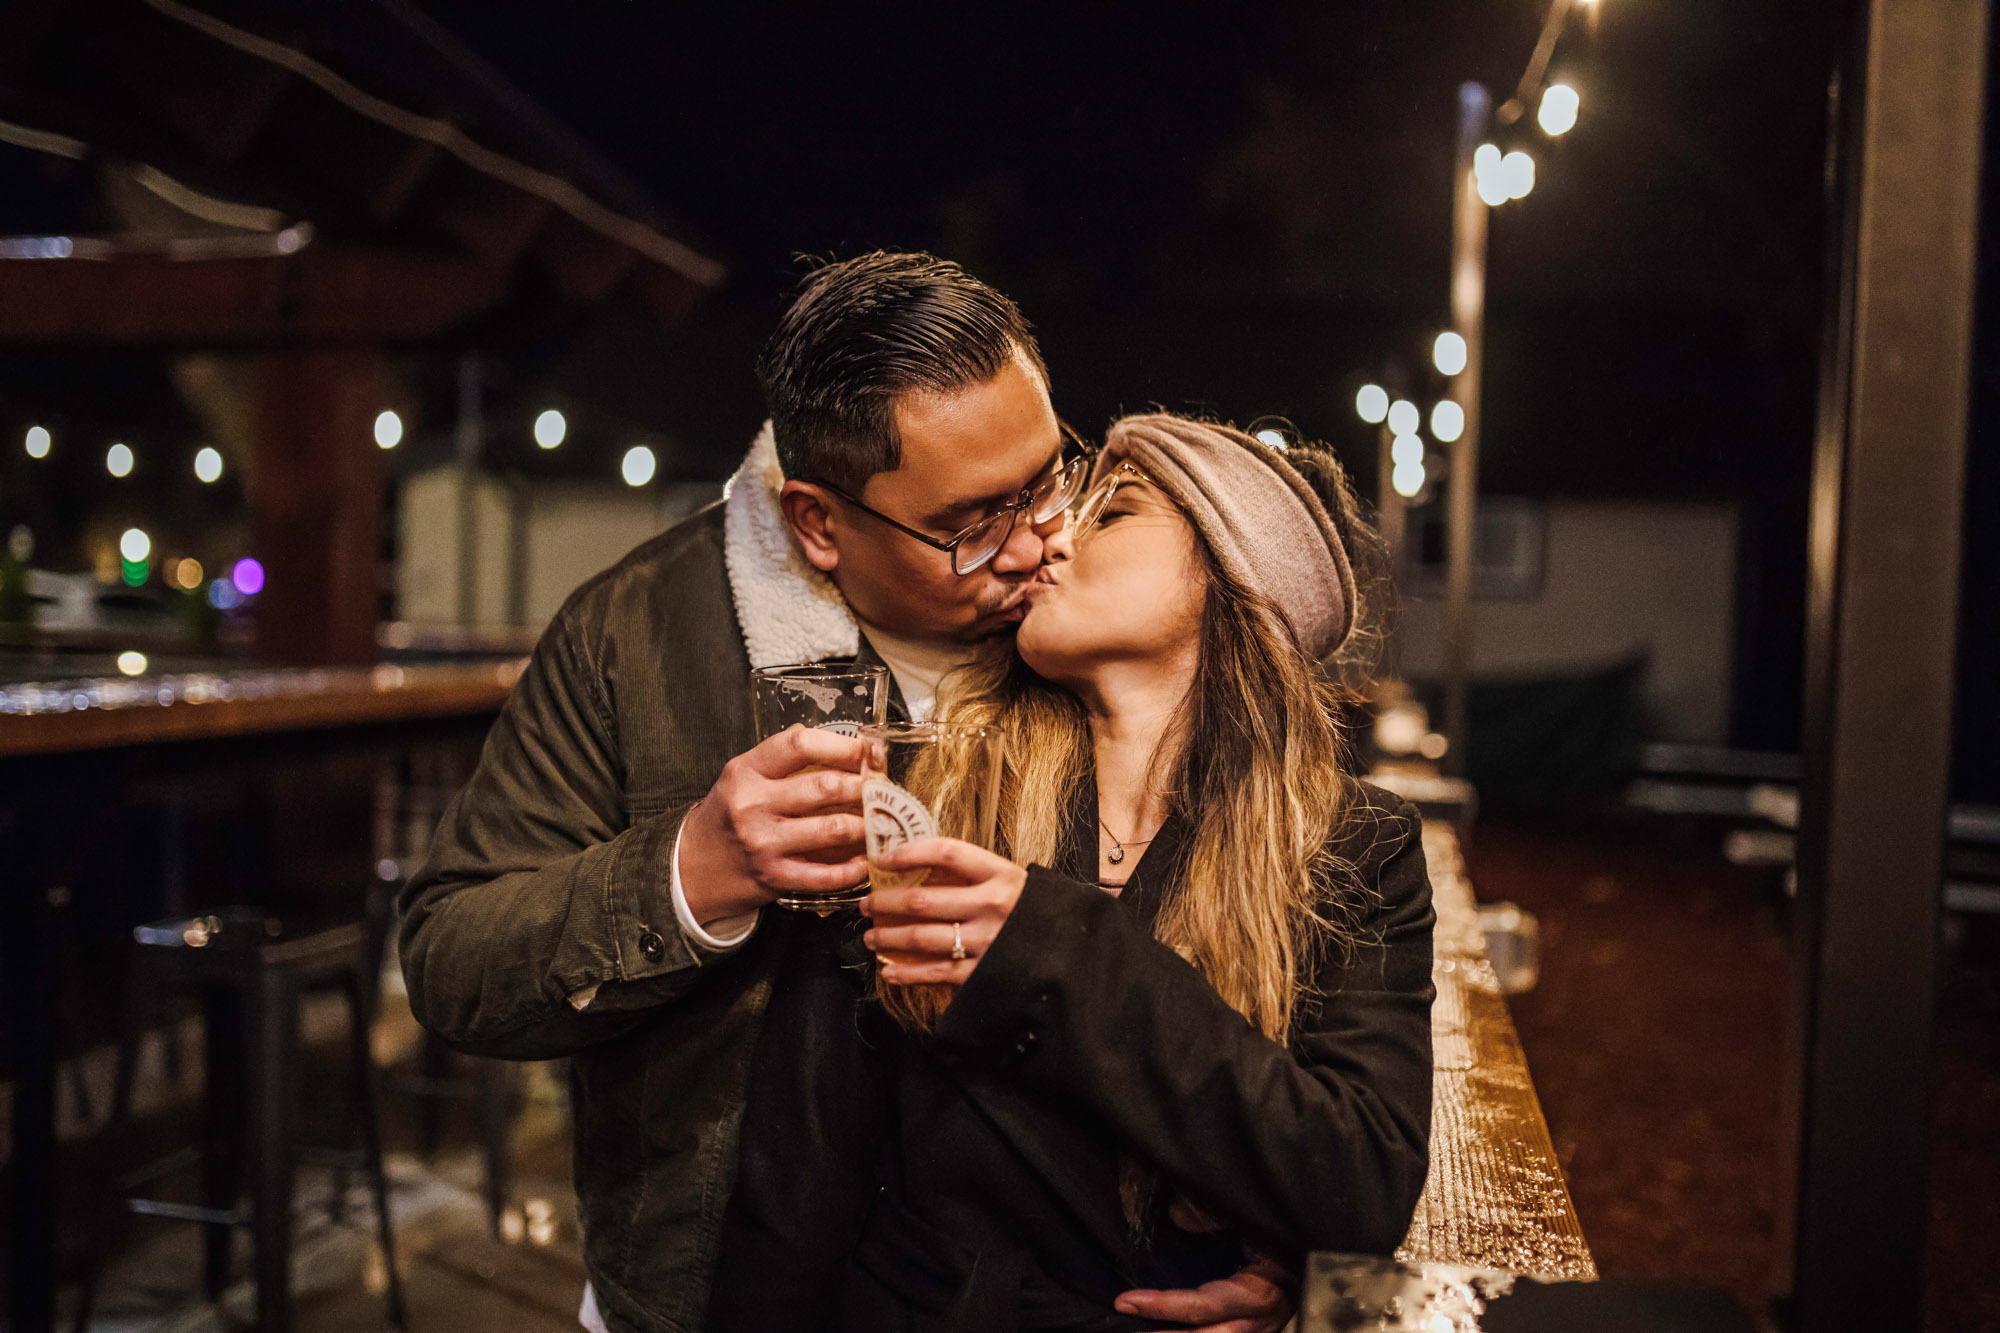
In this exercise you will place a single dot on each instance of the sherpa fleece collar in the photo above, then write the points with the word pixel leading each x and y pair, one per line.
pixel 788 611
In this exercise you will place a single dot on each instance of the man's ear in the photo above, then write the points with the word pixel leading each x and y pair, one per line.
pixel 811 518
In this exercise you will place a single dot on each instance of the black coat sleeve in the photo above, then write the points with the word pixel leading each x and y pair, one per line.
pixel 1322 1146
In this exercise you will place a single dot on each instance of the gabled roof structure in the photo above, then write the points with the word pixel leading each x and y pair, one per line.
pixel 366 178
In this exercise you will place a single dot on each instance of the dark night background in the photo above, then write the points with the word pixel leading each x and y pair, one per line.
pixel 1249 213
pixel 1242 213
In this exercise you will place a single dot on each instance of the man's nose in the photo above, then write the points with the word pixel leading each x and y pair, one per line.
pixel 1059 545
pixel 1026 545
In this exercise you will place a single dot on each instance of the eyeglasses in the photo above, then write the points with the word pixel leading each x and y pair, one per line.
pixel 1088 513
pixel 1043 500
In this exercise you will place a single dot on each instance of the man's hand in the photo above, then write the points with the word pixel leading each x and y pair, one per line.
pixel 767 827
pixel 1255 1299
pixel 966 897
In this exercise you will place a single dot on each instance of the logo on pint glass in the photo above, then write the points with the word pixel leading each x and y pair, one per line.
pixel 893 816
pixel 841 728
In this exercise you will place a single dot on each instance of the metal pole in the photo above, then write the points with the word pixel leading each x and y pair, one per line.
pixel 520 518
pixel 471 444
pixel 1468 317
pixel 1886 513
pixel 1391 509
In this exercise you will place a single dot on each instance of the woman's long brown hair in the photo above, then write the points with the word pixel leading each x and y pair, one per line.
pixel 1256 760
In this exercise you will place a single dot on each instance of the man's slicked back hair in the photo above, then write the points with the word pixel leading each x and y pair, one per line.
pixel 862 333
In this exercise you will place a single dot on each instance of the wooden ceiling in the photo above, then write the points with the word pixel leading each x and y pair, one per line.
pixel 437 197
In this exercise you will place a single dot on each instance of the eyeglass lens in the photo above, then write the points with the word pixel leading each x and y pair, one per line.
pixel 1050 496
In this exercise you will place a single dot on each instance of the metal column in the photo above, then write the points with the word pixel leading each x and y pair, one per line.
pixel 471 446
pixel 1887 496
pixel 1468 317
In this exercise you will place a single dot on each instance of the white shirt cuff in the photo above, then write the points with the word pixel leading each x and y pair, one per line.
pixel 729 932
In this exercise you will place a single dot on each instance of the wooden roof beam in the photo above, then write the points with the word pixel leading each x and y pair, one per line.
pixel 322 294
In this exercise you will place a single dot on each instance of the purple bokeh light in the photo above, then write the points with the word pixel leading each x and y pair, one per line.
pixel 248 576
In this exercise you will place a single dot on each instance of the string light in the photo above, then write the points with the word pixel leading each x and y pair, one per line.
pixel 1517 174
pixel 118 460
pixel 1406 450
pixel 1408 479
pixel 639 465
pixel 38 442
pixel 388 430
pixel 1447 421
pixel 550 429
pixel 1403 417
pixel 1372 403
pixel 208 465
pixel 1486 175
pixel 1559 107
pixel 1448 353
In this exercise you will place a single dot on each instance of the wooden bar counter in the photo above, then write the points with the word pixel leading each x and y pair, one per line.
pixel 126 798
pixel 71 716
pixel 1496 1196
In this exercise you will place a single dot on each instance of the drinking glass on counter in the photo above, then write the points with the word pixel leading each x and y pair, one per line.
pixel 831 697
pixel 954 765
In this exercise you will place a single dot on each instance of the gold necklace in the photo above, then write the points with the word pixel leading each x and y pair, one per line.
pixel 1118 844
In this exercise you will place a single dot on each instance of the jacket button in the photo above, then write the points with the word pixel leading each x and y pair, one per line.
pixel 652 946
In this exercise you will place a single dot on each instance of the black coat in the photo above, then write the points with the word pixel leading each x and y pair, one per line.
pixel 1080 1042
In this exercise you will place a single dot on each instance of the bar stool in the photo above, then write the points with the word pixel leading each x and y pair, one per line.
pixel 250 974
pixel 442 1075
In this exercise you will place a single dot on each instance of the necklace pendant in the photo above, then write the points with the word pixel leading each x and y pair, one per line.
pixel 1117 855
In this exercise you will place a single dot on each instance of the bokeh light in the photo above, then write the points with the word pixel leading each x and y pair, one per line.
pixel 1406 449
pixel 1486 174
pixel 1404 417
pixel 135 545
pixel 187 574
pixel 1448 353
pixel 1517 174
pixel 118 460
pixel 132 663
pixel 1272 437
pixel 388 430
pixel 1447 421
pixel 38 442
pixel 639 465
pixel 1559 106
pixel 222 595
pixel 1408 479
pixel 1372 403
pixel 247 575
pixel 550 429
pixel 208 465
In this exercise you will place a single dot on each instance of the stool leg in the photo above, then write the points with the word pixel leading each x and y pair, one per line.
pixel 435 1062
pixel 371 1137
pixel 273 1028
pixel 491 1094
pixel 223 1018
pixel 97 1239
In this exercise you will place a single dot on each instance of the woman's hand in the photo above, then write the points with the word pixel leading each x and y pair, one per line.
pixel 965 886
pixel 1260 1297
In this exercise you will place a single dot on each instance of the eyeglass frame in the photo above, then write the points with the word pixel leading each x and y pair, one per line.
pixel 1107 485
pixel 1079 462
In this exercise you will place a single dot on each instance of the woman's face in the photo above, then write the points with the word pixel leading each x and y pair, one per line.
pixel 1126 590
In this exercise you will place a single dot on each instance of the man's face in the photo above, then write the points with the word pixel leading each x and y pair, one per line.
pixel 965 454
